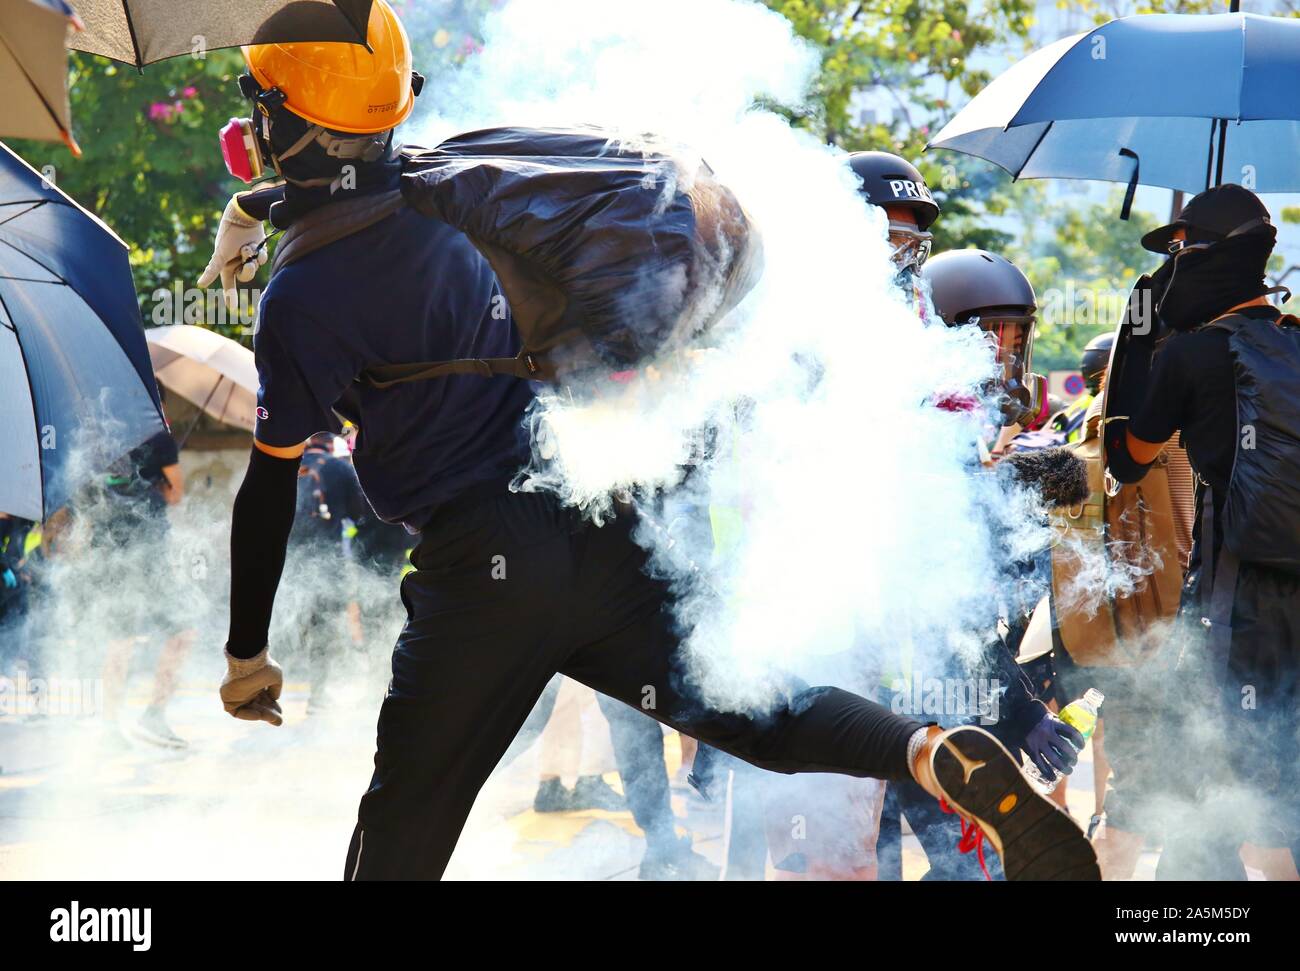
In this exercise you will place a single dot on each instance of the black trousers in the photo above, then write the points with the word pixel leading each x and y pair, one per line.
pixel 510 588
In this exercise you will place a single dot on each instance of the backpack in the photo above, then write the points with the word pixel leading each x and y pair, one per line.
pixel 1137 527
pixel 1261 512
pixel 607 251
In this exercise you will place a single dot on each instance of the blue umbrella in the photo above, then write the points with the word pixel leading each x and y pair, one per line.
pixel 1173 100
pixel 76 387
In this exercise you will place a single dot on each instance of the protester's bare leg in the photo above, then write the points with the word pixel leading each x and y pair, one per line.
pixel 117 660
pixel 175 650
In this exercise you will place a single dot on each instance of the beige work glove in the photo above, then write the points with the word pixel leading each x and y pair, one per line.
pixel 237 253
pixel 251 688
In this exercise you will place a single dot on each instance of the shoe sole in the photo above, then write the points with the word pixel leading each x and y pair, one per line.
pixel 1035 839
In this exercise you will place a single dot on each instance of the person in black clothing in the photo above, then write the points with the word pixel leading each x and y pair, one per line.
pixel 1250 764
pixel 509 587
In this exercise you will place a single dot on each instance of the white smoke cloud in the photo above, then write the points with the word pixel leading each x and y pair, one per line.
pixel 859 517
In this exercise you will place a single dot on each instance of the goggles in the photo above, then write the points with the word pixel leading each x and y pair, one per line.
pixel 911 245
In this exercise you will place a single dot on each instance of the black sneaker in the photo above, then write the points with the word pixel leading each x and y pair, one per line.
pixel 593 792
pixel 552 797
pixel 982 783
pixel 676 861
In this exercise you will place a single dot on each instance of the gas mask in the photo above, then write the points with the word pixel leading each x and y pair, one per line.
pixel 247 145
pixel 241 149
pixel 1020 393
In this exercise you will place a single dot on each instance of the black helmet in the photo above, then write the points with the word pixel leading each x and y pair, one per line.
pixel 888 180
pixel 1095 360
pixel 969 283
pixel 972 286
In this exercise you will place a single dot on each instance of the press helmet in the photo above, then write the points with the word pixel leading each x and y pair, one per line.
pixel 889 181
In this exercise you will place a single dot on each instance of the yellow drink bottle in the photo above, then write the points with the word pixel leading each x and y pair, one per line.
pixel 1080 715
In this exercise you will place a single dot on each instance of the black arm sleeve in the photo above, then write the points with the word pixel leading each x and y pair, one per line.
pixel 259 534
pixel 1021 711
pixel 1119 462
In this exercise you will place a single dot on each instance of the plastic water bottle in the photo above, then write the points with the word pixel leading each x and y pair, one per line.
pixel 1080 715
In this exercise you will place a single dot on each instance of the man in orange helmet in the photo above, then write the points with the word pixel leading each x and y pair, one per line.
pixel 509 587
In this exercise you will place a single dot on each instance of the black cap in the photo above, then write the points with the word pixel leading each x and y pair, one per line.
pixel 1213 215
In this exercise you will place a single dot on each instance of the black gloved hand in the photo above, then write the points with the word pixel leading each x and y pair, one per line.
pixel 1053 746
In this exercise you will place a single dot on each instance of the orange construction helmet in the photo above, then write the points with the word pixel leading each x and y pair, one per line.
pixel 343 87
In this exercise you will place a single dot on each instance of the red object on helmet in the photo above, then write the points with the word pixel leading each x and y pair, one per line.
pixel 956 402
pixel 240 150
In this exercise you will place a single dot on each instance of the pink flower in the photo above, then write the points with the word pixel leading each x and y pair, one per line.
pixel 159 111
pixel 190 92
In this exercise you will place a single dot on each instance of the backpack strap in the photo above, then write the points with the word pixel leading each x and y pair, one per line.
pixel 328 224
pixel 1221 594
pixel 523 365
pixel 1234 322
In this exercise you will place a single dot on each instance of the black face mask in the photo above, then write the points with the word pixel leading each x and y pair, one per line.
pixel 1197 285
pixel 312 172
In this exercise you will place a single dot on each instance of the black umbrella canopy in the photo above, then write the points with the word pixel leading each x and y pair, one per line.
pixel 141 32
pixel 76 385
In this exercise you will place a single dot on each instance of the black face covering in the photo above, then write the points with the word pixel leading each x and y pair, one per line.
pixel 314 164
pixel 1198 285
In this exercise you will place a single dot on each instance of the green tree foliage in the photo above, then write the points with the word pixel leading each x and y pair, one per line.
pixel 151 167
pixel 916 54
pixel 1082 262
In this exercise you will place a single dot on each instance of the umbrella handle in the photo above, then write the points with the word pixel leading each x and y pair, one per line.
pixel 198 414
pixel 1132 182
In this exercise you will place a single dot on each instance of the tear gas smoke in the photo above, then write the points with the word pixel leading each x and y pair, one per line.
pixel 109 592
pixel 859 518
pixel 806 502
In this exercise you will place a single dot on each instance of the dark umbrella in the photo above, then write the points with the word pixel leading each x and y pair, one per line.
pixel 1172 100
pixel 34 70
pixel 76 388
pixel 141 32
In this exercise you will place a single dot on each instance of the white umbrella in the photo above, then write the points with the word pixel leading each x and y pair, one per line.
pixel 208 370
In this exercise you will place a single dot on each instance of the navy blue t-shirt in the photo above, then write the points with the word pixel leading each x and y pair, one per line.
pixel 406 289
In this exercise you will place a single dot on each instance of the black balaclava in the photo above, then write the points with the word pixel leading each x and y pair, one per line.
pixel 312 164
pixel 1197 285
